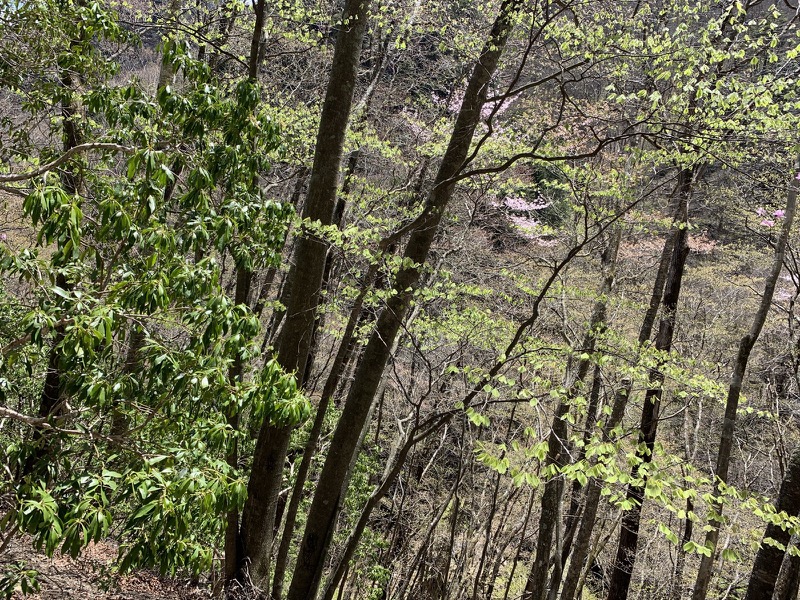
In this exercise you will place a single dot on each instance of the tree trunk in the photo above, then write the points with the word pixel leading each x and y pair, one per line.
pixel 549 520
pixel 323 512
pixel 166 71
pixel 768 560
pixel 680 561
pixel 233 541
pixel 345 347
pixel 119 420
pixel 305 280
pixel 582 542
pixel 50 403
pixel 648 426
pixel 734 391
pixel 789 577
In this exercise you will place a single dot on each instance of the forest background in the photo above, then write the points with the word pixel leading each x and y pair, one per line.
pixel 370 299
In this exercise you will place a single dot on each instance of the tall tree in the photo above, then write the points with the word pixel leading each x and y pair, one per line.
pixel 767 564
pixel 234 548
pixel 734 392
pixel 333 479
pixel 648 426
pixel 550 515
pixel 305 281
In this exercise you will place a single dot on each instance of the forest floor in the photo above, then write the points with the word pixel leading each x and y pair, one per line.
pixel 91 577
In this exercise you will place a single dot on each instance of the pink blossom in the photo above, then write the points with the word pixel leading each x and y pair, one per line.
pixel 779 214
pixel 768 223
pixel 760 211
pixel 3 237
pixel 520 204
pixel 798 177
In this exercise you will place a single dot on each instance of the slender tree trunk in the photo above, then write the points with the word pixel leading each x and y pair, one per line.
pixel 680 561
pixel 734 391
pixel 255 40
pixel 119 420
pixel 166 71
pixel 233 541
pixel 332 482
pixel 328 390
pixel 648 427
pixel 768 560
pixel 50 403
pixel 479 575
pixel 549 520
pixel 582 543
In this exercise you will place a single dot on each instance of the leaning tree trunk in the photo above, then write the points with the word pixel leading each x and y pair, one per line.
pixel 734 391
pixel 305 283
pixel 768 561
pixel 549 521
pixel 648 426
pixel 333 479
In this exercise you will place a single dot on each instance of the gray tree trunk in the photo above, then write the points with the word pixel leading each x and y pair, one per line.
pixel 768 560
pixel 648 426
pixel 735 389
pixel 305 281
pixel 549 520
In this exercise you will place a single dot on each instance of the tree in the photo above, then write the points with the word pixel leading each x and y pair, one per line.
pixel 305 281
pixel 333 479
pixel 127 288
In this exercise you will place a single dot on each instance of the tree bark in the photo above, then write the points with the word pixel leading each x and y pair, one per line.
pixel 768 560
pixel 50 403
pixel 582 542
pixel 648 427
pixel 233 541
pixel 734 391
pixel 549 520
pixel 788 582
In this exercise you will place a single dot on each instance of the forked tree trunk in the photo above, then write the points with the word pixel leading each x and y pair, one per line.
pixel 305 279
pixel 735 389
pixel 648 426
pixel 333 479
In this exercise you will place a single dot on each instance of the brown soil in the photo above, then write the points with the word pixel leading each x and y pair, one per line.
pixel 90 577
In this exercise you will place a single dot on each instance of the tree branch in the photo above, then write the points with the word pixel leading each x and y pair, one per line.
pixel 64 158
